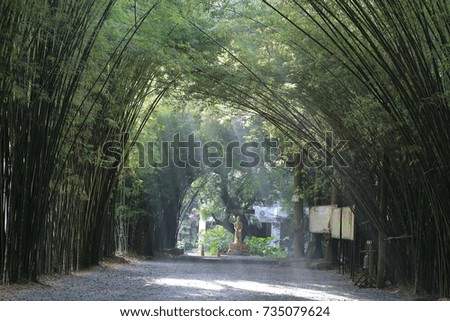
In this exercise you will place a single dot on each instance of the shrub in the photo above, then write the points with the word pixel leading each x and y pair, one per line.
pixel 263 246
pixel 216 238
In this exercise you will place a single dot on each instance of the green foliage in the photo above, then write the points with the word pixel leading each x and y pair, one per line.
pixel 214 239
pixel 188 233
pixel 167 187
pixel 263 246
pixel 211 208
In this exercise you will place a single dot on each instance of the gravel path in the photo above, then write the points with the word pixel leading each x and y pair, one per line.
pixel 198 278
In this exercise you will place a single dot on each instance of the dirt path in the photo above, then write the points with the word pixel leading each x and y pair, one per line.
pixel 196 278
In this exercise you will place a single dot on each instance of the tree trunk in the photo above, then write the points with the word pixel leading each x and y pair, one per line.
pixel 381 275
pixel 334 201
pixel 299 238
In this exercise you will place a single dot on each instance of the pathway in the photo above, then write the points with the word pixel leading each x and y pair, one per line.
pixel 197 278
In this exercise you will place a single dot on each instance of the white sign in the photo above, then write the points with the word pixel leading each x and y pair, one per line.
pixel 319 218
pixel 348 223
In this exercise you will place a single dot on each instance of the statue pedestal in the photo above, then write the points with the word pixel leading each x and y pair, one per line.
pixel 238 249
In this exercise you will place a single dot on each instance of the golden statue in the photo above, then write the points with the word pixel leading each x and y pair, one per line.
pixel 238 247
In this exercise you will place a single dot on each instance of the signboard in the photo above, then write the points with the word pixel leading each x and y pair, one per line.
pixel 240 211
pixel 319 218
pixel 348 223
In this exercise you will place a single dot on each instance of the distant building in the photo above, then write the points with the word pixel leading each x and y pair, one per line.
pixel 274 222
pixel 270 221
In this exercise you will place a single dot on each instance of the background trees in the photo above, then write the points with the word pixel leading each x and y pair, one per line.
pixel 210 176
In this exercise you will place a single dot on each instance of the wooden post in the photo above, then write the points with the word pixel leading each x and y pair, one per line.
pixel 299 242
pixel 341 248
pixel 370 252
pixel 381 275
pixel 381 261
pixel 334 201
